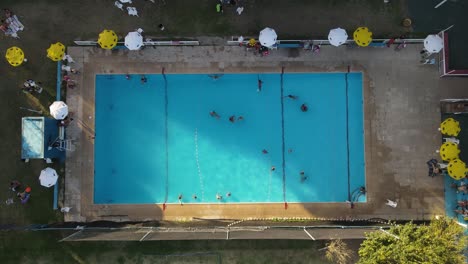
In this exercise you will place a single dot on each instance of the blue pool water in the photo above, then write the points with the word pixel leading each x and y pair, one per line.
pixel 157 140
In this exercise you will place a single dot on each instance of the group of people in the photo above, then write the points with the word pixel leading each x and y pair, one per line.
pixel 303 107
pixel 302 176
pixel 23 195
pixel 143 78
pixel 435 168
pixel 30 86
pixel 234 3
pixel 11 25
pixel 219 197
pixel 67 80
pixel 462 205
pixel 256 46
pixel 231 119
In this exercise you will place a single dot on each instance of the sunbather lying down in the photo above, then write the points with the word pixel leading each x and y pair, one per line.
pixel 14 23
pixel 11 25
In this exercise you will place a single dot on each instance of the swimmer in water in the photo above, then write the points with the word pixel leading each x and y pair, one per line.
pixel 215 115
pixel 127 77
pixel 143 79
pixel 260 82
pixel 303 176
pixel 273 168
pixel 264 151
pixel 219 197
pixel 180 199
pixel 232 119
pixel 215 76
pixel 293 97
pixel 304 108
pixel 240 118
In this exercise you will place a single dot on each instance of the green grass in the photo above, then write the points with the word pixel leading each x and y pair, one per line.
pixel 43 247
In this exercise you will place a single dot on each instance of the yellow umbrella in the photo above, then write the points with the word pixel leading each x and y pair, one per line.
pixel 457 169
pixel 107 39
pixel 450 127
pixel 362 36
pixel 449 151
pixel 15 56
pixel 56 51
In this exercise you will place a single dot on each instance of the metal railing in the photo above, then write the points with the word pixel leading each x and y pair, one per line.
pixel 146 43
pixel 216 232
pixel 234 41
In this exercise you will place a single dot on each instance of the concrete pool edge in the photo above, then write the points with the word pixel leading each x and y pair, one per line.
pixel 90 211
pixel 107 62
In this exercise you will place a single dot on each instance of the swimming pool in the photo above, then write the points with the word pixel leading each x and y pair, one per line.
pixel 157 140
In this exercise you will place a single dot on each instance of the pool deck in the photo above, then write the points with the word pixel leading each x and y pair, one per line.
pixel 401 108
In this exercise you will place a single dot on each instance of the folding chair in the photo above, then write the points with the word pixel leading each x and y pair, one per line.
pixel 132 11
pixel 118 5
pixel 65 145
pixel 61 133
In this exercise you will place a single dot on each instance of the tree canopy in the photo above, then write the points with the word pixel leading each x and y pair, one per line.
pixel 442 241
pixel 338 252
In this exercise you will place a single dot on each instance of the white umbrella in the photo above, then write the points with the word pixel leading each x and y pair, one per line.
pixel 59 110
pixel 133 40
pixel 433 43
pixel 267 37
pixel 48 177
pixel 337 36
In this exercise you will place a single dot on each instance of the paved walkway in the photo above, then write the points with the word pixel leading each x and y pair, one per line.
pixel 401 119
